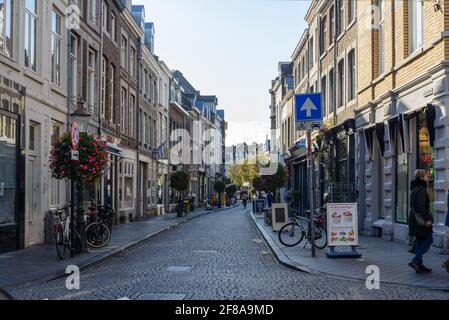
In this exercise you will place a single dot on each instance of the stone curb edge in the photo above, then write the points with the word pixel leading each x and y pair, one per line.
pixel 98 259
pixel 287 262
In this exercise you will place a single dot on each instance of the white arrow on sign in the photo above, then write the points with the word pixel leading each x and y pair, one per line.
pixel 308 107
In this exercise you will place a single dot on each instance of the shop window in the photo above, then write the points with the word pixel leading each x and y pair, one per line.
pixel 426 156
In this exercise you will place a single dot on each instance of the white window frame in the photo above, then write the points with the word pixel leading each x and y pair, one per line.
pixel 132 61
pixel 91 80
pixel 415 25
pixel 74 67
pixel 351 11
pixel 324 94
pixel 352 74
pixel 323 34
pixel 131 108
pixel 111 92
pixel 123 102
pixel 124 53
pixel 31 18
pixel 341 84
pixel 381 37
pixel 104 16
pixel 332 28
pixel 56 41
pixel 104 66
pixel 113 27
pixel 341 17
pixel 7 28
pixel 92 10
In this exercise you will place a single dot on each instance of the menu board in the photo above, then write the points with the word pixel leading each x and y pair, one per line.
pixel 259 204
pixel 342 225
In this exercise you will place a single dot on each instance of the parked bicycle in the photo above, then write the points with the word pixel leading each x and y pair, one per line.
pixel 98 228
pixel 294 232
pixel 62 234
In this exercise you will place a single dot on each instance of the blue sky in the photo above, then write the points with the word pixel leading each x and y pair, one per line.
pixel 229 48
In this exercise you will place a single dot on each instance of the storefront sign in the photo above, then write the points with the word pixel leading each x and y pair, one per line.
pixel 342 226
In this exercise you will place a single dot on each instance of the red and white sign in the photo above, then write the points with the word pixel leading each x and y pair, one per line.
pixel 75 136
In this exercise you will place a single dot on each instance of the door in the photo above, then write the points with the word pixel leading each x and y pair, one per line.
pixel 9 191
pixel 35 221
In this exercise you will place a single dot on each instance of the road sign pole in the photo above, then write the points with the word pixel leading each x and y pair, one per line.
pixel 308 109
pixel 310 187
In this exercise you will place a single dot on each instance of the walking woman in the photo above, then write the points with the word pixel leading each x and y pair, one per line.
pixel 420 221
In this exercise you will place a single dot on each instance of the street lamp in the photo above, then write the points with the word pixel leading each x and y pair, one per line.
pixel 81 118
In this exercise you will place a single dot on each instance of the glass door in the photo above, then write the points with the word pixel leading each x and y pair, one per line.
pixel 8 182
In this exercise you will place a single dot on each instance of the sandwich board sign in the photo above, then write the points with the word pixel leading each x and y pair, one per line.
pixel 342 229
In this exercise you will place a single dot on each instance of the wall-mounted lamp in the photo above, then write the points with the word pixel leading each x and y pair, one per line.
pixel 437 6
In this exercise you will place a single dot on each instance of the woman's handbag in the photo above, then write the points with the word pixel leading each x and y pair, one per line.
pixel 419 219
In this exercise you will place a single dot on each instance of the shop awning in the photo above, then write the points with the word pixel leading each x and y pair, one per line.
pixel 369 139
pixel 114 149
pixel 380 135
pixel 392 127
pixel 430 117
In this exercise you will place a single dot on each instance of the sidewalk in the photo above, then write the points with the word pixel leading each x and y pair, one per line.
pixel 391 258
pixel 40 263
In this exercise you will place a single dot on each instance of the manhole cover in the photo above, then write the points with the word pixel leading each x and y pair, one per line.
pixel 161 296
pixel 179 269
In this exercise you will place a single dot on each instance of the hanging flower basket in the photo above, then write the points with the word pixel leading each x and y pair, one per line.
pixel 89 167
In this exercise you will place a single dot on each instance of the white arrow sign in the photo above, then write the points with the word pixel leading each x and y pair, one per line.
pixel 308 107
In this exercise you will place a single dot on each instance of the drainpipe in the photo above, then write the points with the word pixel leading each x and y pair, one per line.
pixel 334 89
pixel 100 124
pixel 138 138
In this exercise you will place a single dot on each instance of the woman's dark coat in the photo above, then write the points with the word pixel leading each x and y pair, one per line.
pixel 420 202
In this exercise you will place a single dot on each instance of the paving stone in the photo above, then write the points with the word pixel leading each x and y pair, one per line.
pixel 237 272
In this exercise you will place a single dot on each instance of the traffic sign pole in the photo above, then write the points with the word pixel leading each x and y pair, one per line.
pixel 309 110
pixel 310 187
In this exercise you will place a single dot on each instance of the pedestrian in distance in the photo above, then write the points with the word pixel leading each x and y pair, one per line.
pixel 269 199
pixel 420 221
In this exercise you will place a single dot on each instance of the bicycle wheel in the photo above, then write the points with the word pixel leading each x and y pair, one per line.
pixel 98 235
pixel 60 244
pixel 291 234
pixel 320 237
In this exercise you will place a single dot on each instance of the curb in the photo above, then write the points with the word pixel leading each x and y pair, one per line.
pixel 96 260
pixel 284 260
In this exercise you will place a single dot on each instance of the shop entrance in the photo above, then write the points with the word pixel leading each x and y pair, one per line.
pixel 9 181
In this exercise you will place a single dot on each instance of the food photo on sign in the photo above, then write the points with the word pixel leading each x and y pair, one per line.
pixel 342 225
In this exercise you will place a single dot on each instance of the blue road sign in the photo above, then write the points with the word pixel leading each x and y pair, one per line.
pixel 308 107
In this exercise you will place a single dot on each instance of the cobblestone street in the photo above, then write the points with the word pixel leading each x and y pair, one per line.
pixel 216 256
